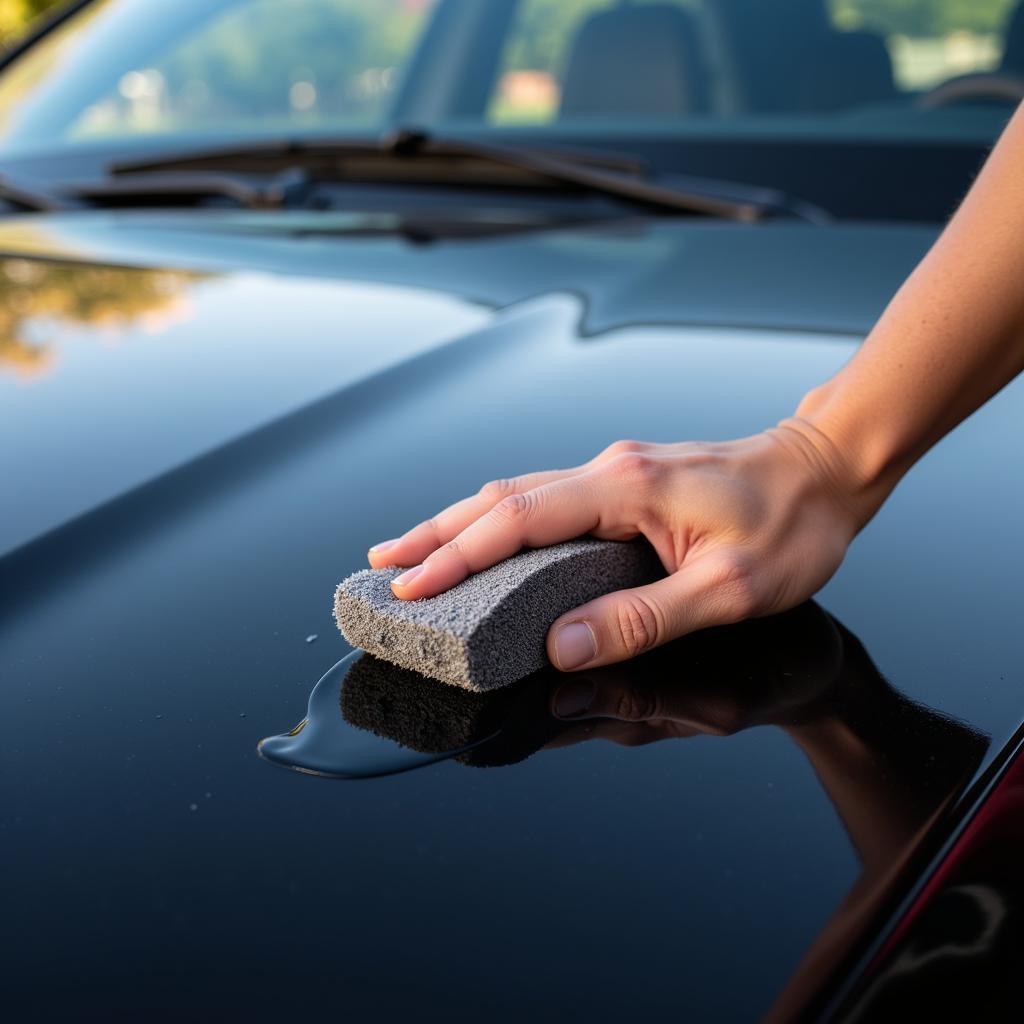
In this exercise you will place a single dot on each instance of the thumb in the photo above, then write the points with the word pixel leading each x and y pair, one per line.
pixel 624 624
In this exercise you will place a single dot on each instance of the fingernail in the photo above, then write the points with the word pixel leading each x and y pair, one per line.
pixel 407 577
pixel 574 645
pixel 384 545
pixel 574 698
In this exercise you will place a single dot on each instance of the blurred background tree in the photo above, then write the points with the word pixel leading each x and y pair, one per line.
pixel 17 15
pixel 337 61
pixel 42 305
pixel 913 18
pixel 920 18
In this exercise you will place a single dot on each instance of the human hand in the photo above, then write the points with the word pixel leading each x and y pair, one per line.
pixel 744 528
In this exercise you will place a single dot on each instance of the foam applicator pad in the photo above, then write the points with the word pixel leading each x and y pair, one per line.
pixel 489 630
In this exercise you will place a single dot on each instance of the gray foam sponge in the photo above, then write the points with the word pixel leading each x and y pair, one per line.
pixel 489 630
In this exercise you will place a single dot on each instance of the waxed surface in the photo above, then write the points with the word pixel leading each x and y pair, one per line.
pixel 212 477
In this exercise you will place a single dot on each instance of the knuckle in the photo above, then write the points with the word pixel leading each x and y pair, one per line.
pixel 497 489
pixel 635 468
pixel 454 550
pixel 635 706
pixel 737 581
pixel 637 625
pixel 513 508
pixel 622 448
pixel 626 708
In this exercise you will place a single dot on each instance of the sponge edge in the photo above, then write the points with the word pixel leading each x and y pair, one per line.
pixel 489 630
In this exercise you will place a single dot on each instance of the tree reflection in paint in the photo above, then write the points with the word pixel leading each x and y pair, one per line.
pixel 40 303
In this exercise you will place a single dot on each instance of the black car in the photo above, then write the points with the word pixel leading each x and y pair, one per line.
pixel 282 277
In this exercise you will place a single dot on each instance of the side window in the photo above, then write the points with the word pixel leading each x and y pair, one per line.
pixel 531 79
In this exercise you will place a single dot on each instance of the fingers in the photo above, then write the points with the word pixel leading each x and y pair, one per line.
pixel 414 546
pixel 556 511
pixel 715 590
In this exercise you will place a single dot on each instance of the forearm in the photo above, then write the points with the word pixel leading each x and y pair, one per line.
pixel 755 526
pixel 951 338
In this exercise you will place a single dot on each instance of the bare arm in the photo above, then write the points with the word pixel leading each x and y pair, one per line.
pixel 950 339
pixel 757 525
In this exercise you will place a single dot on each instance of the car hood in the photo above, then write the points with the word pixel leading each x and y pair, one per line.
pixel 135 342
pixel 209 421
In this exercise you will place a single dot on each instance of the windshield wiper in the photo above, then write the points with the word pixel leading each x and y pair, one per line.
pixel 176 187
pixel 601 173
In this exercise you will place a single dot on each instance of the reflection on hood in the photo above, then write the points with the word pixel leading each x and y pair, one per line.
pixel 797 671
pixel 40 301
pixel 432 717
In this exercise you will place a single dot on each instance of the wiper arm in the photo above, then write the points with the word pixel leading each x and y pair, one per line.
pixel 404 142
pixel 562 171
pixel 595 171
pixel 610 175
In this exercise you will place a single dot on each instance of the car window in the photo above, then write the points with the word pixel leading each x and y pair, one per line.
pixel 706 58
pixel 139 67
pixel 538 50
pixel 931 42
pixel 867 108
pixel 332 62
pixel 125 68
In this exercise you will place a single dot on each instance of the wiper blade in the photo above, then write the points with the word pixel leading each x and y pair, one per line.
pixel 605 174
pixel 631 188
pixel 175 187
pixel 403 142
pixel 596 171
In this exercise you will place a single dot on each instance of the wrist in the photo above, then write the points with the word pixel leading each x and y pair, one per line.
pixel 855 465
pixel 877 446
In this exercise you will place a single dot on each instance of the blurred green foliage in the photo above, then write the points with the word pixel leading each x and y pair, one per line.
pixel 542 27
pixel 17 15
pixel 543 24
pixel 40 302
pixel 329 42
pixel 922 18
pixel 245 59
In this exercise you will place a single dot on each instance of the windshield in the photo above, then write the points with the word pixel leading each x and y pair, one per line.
pixel 690 76
pixel 124 68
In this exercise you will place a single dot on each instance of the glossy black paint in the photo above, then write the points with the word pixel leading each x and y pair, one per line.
pixel 189 484
pixel 954 949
